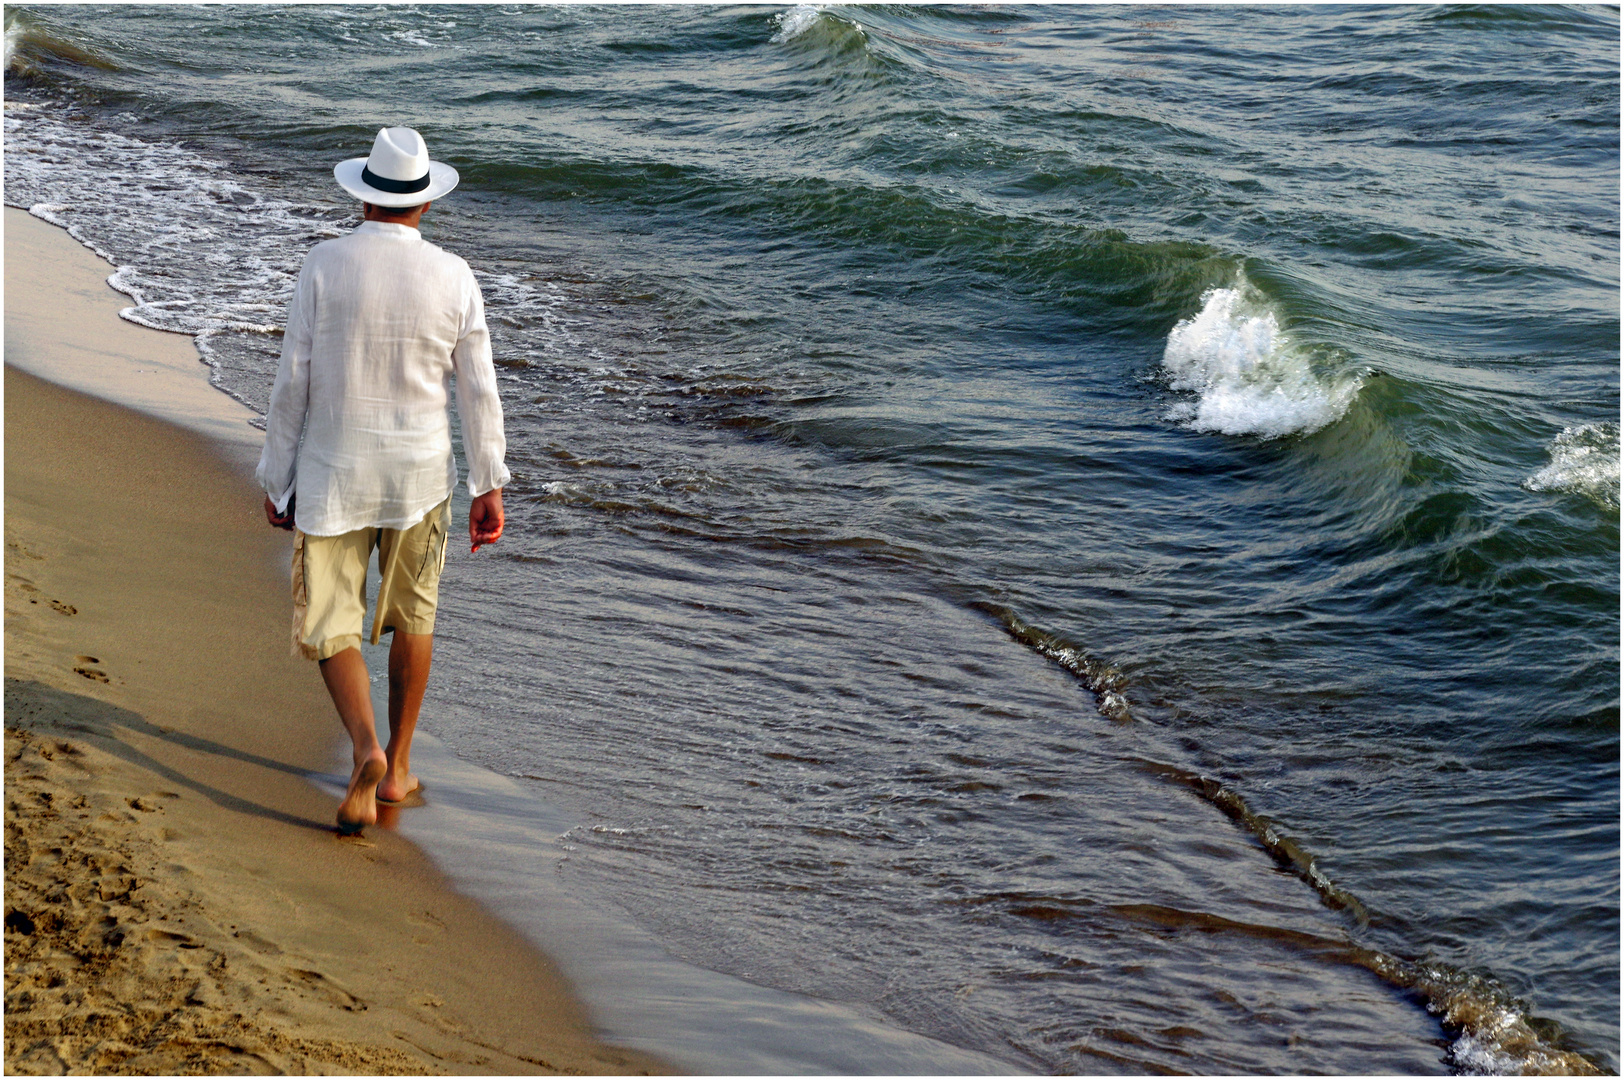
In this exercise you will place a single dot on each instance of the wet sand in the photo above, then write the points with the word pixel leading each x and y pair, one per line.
pixel 176 899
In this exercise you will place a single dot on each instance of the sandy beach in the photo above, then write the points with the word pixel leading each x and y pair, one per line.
pixel 176 899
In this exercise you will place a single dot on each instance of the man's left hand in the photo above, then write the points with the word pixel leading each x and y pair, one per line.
pixel 485 519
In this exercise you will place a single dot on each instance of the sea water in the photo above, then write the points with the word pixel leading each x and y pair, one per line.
pixel 1086 535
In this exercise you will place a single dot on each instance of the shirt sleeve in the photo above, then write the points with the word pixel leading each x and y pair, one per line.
pixel 484 443
pixel 290 398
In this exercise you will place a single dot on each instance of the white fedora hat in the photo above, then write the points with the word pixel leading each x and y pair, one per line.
pixel 397 173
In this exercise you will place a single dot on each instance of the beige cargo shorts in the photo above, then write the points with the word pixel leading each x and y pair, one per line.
pixel 330 583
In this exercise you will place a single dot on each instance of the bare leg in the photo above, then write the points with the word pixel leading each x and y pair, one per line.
pixel 351 690
pixel 409 659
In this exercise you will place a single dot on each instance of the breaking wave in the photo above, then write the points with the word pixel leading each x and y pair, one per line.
pixel 803 18
pixel 30 45
pixel 1584 460
pixel 1249 376
pixel 1491 1032
pixel 795 22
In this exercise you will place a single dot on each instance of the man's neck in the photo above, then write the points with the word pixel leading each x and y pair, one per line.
pixel 374 213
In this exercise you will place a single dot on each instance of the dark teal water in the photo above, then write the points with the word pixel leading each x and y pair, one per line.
pixel 1092 532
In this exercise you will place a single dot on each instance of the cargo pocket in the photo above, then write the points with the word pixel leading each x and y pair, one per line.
pixel 301 601
pixel 433 550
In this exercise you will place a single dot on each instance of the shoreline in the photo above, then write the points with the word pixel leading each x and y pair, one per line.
pixel 176 898
pixel 108 358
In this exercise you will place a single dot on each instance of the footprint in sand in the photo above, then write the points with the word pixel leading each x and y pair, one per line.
pixel 261 945
pixel 335 993
pixel 84 667
pixel 428 919
pixel 23 550
pixel 165 937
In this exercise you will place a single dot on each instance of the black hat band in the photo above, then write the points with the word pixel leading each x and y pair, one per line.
pixel 394 187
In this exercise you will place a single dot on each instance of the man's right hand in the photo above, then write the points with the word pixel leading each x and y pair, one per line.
pixel 485 519
pixel 281 521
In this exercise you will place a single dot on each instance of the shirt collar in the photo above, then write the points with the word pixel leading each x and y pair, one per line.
pixel 388 228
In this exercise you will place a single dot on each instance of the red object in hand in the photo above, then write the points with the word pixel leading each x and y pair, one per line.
pixel 485 520
pixel 281 521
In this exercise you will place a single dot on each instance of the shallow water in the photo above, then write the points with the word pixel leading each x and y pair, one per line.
pixel 1090 532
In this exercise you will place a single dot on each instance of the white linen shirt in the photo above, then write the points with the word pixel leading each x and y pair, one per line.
pixel 358 426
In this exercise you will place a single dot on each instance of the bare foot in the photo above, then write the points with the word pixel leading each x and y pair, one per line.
pixel 397 788
pixel 360 806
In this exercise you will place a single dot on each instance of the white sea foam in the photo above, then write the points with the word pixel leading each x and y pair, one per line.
pixel 1584 460
pixel 1248 376
pixel 539 308
pixel 1493 1032
pixel 201 263
pixel 413 38
pixel 50 212
pixel 197 250
pixel 796 21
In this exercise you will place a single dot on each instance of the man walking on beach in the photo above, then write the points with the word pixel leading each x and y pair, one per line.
pixel 358 448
